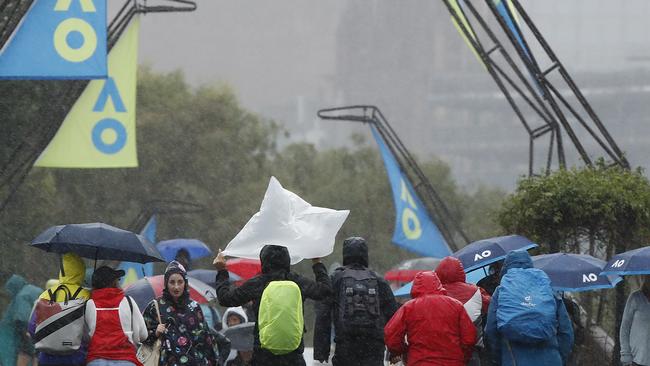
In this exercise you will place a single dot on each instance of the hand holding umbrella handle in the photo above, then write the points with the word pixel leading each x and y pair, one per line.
pixel 315 260
pixel 219 261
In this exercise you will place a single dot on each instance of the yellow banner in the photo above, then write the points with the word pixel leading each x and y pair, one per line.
pixel 99 130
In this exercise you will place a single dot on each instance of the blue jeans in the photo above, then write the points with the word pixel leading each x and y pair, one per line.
pixel 102 362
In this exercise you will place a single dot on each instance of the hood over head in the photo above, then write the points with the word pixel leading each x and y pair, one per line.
pixel 450 270
pixel 355 251
pixel 427 283
pixel 516 259
pixel 14 284
pixel 175 267
pixel 238 310
pixel 74 270
pixel 275 258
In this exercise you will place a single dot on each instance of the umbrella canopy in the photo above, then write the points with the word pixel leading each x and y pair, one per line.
pixel 209 276
pixel 574 272
pixel 241 336
pixel 98 241
pixel 406 270
pixel 146 289
pixel 244 268
pixel 196 248
pixel 633 262
pixel 487 251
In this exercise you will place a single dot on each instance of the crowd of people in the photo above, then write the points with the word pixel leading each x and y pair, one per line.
pixel 511 318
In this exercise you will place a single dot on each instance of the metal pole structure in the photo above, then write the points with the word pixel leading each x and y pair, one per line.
pixel 499 75
pixel 434 204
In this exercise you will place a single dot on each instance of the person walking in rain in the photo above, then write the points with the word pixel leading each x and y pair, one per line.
pixel 431 329
pixel 635 327
pixel 362 304
pixel 186 339
pixel 15 345
pixel 114 323
pixel 526 323
pixel 475 300
pixel 71 276
pixel 276 279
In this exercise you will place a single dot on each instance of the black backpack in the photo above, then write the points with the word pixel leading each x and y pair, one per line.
pixel 358 302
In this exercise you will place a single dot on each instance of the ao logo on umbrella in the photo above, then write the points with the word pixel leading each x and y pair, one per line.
pixel 482 255
pixel 591 277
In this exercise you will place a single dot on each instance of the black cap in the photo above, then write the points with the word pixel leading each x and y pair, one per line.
pixel 104 276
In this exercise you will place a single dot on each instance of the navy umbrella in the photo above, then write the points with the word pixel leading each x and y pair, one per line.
pixel 487 251
pixel 98 241
pixel 633 262
pixel 574 272
pixel 195 248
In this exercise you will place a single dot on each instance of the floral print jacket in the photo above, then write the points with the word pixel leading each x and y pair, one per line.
pixel 188 340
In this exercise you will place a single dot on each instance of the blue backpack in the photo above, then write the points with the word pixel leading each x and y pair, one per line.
pixel 527 309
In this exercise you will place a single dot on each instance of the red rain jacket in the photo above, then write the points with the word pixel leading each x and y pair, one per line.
pixel 432 329
pixel 452 276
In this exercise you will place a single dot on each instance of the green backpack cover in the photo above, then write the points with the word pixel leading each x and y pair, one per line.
pixel 280 320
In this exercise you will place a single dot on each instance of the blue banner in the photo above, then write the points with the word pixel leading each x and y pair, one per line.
pixel 414 229
pixel 135 271
pixel 58 39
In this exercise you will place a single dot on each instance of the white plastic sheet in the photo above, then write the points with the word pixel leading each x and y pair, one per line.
pixel 288 220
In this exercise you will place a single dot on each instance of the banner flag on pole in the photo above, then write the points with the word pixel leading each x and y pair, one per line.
pixel 99 130
pixel 58 39
pixel 135 271
pixel 414 229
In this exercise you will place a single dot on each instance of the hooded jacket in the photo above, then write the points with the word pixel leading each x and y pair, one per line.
pixel 437 327
pixel 188 340
pixel 355 257
pixel 71 277
pixel 15 318
pixel 452 276
pixel 241 313
pixel 509 352
pixel 275 266
pixel 115 327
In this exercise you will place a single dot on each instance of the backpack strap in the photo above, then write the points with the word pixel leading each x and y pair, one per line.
pixel 128 299
pixel 66 292
pixel 76 293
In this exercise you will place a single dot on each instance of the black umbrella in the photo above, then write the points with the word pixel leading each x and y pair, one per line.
pixel 98 241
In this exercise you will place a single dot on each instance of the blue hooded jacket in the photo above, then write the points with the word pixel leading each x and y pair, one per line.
pixel 23 296
pixel 554 352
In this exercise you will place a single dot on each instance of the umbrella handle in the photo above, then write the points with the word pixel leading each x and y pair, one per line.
pixel 61 265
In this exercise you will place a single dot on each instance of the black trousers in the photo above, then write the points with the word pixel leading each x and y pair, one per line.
pixel 359 353
pixel 262 357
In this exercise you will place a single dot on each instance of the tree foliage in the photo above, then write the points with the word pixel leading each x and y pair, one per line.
pixel 200 145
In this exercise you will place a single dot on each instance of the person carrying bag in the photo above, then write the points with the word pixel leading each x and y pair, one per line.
pixel 149 355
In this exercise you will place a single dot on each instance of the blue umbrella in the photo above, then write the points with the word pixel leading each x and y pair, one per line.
pixel 633 262
pixel 209 276
pixel 487 251
pixel 195 248
pixel 98 241
pixel 574 272
pixel 405 291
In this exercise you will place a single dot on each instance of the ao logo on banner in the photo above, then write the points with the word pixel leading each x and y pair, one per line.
pixel 410 221
pixel 109 134
pixel 58 39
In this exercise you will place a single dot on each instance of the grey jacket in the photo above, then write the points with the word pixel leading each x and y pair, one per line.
pixel 635 330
